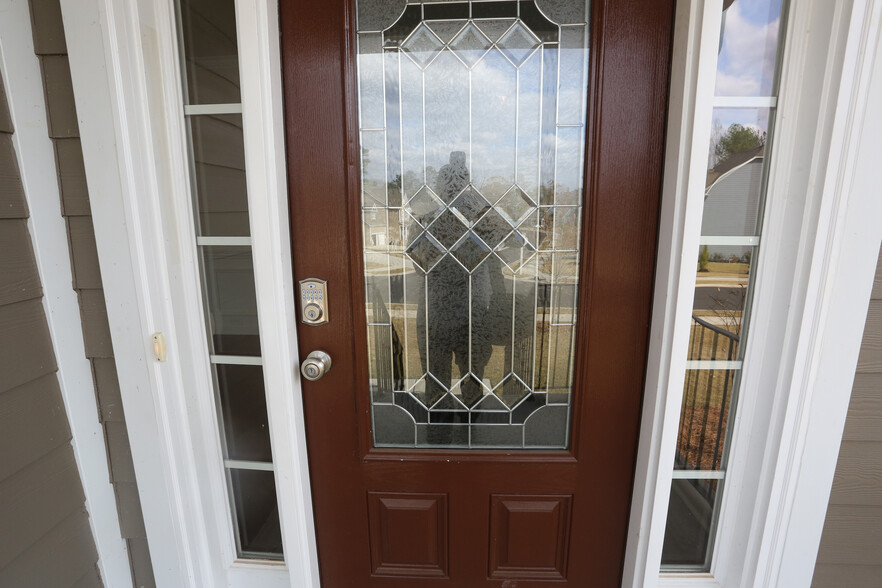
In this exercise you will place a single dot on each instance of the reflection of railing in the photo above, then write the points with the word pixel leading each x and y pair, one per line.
pixel 706 399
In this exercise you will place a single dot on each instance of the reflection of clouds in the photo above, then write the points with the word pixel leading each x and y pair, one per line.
pixel 494 122
pixel 747 60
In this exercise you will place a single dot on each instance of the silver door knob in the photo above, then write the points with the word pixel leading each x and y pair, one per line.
pixel 316 365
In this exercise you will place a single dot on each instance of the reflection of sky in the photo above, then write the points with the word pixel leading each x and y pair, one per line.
pixel 501 137
pixel 746 64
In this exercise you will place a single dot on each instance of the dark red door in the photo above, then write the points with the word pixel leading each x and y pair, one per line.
pixel 478 182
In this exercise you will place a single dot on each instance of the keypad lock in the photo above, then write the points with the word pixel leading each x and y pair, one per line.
pixel 313 301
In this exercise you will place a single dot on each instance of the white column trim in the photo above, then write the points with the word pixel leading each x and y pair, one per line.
pixel 108 62
pixel 36 159
pixel 839 293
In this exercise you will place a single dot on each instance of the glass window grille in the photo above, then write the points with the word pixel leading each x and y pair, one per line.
pixel 745 100
pixel 212 109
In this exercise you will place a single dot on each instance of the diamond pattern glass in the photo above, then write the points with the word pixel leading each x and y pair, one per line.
pixel 448 228
pixel 470 45
pixel 515 205
pixel 518 43
pixel 492 228
pixel 425 252
pixel 470 205
pixel 472 192
pixel 425 206
pixel 422 46
pixel 470 251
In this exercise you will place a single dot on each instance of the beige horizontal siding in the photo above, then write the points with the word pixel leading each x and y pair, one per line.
pixel 850 554
pixel 45 538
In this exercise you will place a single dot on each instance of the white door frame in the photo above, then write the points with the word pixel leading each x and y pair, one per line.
pixel 823 228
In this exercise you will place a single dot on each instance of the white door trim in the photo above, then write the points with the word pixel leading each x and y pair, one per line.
pixel 127 94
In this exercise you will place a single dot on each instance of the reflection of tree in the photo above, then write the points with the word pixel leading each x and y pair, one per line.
pixel 729 308
pixel 738 139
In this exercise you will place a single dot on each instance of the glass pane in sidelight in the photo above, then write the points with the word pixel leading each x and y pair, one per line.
pixel 243 410
pixel 219 174
pixel 232 305
pixel 733 202
pixel 257 513
pixel 690 523
pixel 722 286
pixel 707 397
pixel 736 165
pixel 211 61
pixel 747 65
pixel 472 164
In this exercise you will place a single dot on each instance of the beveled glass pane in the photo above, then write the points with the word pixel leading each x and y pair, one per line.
pixel 257 513
pixel 472 196
pixel 219 175
pixel 211 60
pixel 228 276
pixel 749 48
pixel 707 396
pixel 690 523
pixel 243 410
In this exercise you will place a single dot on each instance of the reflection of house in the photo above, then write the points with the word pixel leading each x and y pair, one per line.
pixel 726 209
pixel 731 199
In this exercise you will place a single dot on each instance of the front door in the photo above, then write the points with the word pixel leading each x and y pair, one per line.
pixel 477 183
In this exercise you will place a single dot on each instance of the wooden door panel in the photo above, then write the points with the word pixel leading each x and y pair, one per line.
pixel 391 517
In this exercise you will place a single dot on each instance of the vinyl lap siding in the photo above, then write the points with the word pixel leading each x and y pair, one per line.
pixel 850 555
pixel 45 538
pixel 50 46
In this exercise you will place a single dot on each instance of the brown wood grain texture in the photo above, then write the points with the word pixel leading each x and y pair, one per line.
pixel 36 499
pixel 630 56
pixel 33 422
pixel 60 558
pixel 19 276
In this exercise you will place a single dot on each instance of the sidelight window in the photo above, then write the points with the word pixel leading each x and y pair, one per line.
pixel 734 194
pixel 212 109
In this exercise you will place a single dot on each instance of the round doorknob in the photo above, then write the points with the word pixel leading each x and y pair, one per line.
pixel 316 365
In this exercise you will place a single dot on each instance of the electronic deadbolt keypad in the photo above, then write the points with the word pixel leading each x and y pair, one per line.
pixel 313 301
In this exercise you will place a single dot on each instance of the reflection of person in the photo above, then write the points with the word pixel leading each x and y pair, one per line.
pixel 445 299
